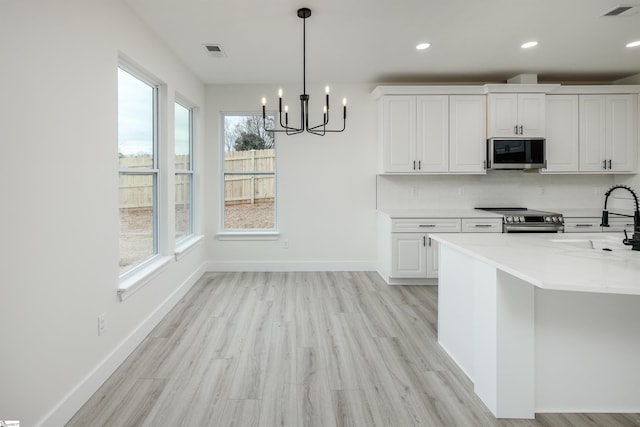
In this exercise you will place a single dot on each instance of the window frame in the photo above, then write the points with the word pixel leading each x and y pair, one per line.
pixel 190 172
pixel 154 171
pixel 248 233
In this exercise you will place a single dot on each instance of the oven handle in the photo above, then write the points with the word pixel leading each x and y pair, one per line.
pixel 539 228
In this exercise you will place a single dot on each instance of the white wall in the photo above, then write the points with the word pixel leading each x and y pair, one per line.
pixel 326 185
pixel 59 216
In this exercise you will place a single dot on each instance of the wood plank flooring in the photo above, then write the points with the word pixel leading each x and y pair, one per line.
pixel 300 349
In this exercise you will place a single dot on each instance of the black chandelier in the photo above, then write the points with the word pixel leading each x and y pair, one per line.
pixel 320 129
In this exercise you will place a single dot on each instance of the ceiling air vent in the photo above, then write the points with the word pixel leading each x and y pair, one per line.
pixel 622 10
pixel 215 50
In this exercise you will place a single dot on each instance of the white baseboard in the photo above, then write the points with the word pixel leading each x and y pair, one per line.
pixel 73 401
pixel 291 266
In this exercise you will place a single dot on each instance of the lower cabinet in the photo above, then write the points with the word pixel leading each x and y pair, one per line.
pixel 406 250
pixel 409 252
pixel 592 225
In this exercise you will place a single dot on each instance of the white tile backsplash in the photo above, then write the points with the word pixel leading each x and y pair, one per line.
pixel 497 188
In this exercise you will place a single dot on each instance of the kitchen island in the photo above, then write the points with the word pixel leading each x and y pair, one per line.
pixel 543 322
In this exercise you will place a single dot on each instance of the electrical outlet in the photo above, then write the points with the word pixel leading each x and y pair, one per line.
pixel 102 324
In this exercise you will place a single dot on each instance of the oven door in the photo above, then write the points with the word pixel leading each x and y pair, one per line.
pixel 550 228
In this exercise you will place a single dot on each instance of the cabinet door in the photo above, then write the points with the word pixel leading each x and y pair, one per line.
pixel 432 138
pixel 562 133
pixel 502 114
pixel 592 133
pixel 531 115
pixel 398 133
pixel 433 258
pixel 621 137
pixel 467 130
pixel 409 255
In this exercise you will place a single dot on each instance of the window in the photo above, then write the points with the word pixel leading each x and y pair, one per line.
pixel 184 171
pixel 138 169
pixel 249 173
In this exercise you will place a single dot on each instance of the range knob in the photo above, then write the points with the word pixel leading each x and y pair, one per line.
pixel 547 219
pixel 520 219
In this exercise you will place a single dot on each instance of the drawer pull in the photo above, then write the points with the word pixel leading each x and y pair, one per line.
pixel 483 225
pixel 584 225
pixel 427 225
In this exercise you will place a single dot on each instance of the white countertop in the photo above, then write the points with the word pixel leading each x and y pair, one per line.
pixel 438 213
pixel 556 261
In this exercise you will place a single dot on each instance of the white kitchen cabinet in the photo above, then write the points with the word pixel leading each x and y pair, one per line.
pixel 467 130
pixel 433 258
pixel 398 133
pixel 592 225
pixel 608 133
pixel 415 133
pixel 481 225
pixel 582 225
pixel 409 252
pixel 516 114
pixel 562 134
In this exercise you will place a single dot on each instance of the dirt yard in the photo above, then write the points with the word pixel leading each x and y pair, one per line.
pixel 260 215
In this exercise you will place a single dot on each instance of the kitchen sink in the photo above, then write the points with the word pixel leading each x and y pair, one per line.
pixel 598 244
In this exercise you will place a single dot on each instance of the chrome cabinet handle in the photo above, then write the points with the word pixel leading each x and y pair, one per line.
pixel 521 130
pixel 482 225
pixel 515 130
pixel 419 164
pixel 609 163
pixel 604 164
pixel 584 225
pixel 414 165
pixel 426 225
pixel 424 241
pixel 429 240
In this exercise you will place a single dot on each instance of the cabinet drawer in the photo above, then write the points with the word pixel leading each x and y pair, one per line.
pixel 477 225
pixel 619 224
pixel 426 225
pixel 582 225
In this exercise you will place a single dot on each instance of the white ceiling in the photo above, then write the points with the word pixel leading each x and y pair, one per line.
pixel 373 41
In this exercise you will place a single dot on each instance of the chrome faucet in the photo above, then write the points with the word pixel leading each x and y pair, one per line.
pixel 634 241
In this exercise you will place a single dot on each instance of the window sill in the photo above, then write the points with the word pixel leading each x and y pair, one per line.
pixel 248 235
pixel 131 284
pixel 187 246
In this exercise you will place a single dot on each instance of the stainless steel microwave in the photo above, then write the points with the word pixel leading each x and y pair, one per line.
pixel 516 153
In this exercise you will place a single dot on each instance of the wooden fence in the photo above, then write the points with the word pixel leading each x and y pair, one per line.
pixel 136 191
pixel 241 187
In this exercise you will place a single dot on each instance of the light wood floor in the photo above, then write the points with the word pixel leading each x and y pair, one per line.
pixel 300 349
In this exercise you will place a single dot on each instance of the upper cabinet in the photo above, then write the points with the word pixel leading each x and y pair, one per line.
pixel 415 133
pixel 516 114
pixel 562 133
pixel 608 133
pixel 443 129
pixel 432 133
pixel 467 130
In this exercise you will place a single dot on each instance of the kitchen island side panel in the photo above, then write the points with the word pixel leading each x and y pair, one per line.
pixel 587 352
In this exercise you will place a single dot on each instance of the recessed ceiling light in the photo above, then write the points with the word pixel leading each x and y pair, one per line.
pixel 528 45
pixel 634 44
pixel 423 46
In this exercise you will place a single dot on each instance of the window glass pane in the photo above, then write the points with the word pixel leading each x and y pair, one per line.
pixel 246 144
pixel 183 205
pixel 249 173
pixel 183 137
pixel 135 121
pixel 137 240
